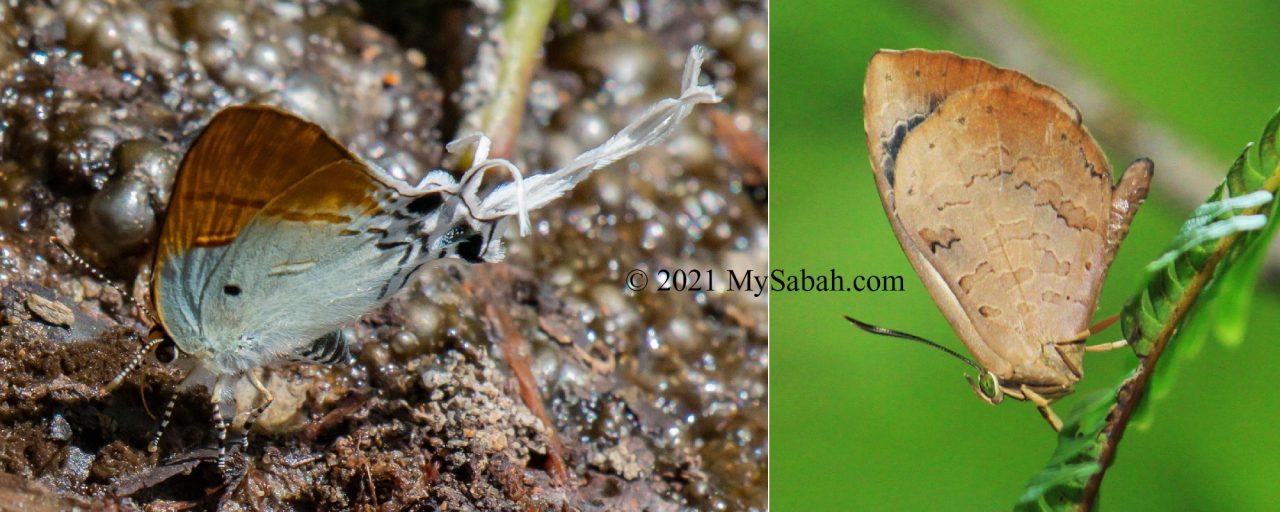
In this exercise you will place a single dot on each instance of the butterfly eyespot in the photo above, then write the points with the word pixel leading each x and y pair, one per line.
pixel 166 351
pixel 469 250
pixel 453 236
pixel 425 204
pixel 231 290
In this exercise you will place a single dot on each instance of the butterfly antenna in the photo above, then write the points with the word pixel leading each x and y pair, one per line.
pixel 898 334
pixel 101 277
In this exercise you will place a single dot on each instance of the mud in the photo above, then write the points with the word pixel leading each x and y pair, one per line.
pixel 538 383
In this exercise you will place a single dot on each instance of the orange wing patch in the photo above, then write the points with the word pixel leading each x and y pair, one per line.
pixel 243 159
pixel 332 195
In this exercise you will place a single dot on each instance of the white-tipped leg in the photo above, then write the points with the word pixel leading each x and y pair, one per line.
pixel 1043 405
pixel 1106 347
pixel 134 363
pixel 220 424
pixel 257 411
pixel 154 445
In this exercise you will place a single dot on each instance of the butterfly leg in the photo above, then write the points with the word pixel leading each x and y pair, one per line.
pixel 1101 347
pixel 257 411
pixel 1071 362
pixel 134 363
pixel 1106 347
pixel 154 445
pixel 1044 406
pixel 220 424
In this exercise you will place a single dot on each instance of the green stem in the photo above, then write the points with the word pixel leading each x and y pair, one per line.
pixel 1134 390
pixel 524 26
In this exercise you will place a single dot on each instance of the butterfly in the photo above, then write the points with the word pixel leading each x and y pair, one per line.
pixel 1006 208
pixel 277 235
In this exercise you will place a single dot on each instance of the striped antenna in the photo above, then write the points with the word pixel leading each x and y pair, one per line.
pixel 146 311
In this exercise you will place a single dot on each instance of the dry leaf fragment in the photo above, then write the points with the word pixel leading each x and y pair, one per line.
pixel 51 311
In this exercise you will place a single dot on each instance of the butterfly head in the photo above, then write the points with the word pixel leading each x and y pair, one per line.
pixel 987 387
pixel 163 347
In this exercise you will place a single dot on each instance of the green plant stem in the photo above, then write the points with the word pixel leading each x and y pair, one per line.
pixel 1135 389
pixel 523 29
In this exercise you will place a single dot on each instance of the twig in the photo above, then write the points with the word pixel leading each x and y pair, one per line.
pixel 516 351
pixel 1134 390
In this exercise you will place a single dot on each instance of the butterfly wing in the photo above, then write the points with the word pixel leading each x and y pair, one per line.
pixel 245 157
pixel 323 253
pixel 1000 198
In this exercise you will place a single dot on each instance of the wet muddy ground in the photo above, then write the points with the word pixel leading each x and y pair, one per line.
pixel 534 384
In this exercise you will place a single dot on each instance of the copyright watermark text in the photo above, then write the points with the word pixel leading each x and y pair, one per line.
pixel 751 281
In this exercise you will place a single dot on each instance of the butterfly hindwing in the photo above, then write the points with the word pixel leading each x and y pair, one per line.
pixel 1001 200
pixel 1008 200
pixel 328 250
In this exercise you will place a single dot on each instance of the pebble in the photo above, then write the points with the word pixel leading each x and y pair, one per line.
pixel 51 311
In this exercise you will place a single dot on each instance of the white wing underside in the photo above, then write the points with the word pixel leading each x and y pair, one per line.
pixel 297 281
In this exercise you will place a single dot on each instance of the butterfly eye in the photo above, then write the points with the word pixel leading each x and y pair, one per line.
pixel 166 351
pixel 231 290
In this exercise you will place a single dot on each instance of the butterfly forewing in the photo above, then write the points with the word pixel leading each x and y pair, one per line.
pixel 1000 199
pixel 244 158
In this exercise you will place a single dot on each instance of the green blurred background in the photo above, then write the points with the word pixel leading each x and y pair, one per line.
pixel 869 423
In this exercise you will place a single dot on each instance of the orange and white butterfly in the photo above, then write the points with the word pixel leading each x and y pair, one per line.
pixel 277 235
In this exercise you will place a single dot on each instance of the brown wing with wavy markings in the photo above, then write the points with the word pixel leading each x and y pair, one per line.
pixel 1003 203
pixel 903 87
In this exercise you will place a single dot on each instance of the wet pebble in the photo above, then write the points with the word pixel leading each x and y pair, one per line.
pixel 628 60
pixel 423 320
pixel 404 343
pixel 77 463
pixel 149 160
pixel 59 428
pixel 121 215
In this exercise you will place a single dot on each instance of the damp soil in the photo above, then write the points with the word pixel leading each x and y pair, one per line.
pixel 534 384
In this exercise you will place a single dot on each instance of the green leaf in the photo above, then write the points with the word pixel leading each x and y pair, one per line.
pixel 1215 256
pixel 1059 485
pixel 1200 287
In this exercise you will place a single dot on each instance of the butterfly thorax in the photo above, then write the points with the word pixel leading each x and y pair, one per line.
pixel 233 357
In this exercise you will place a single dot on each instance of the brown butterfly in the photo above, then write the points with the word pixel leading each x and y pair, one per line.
pixel 1005 206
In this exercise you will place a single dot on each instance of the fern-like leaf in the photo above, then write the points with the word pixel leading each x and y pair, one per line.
pixel 1200 287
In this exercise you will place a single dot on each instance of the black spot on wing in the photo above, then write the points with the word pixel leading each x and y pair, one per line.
pixel 469 250
pixel 425 204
